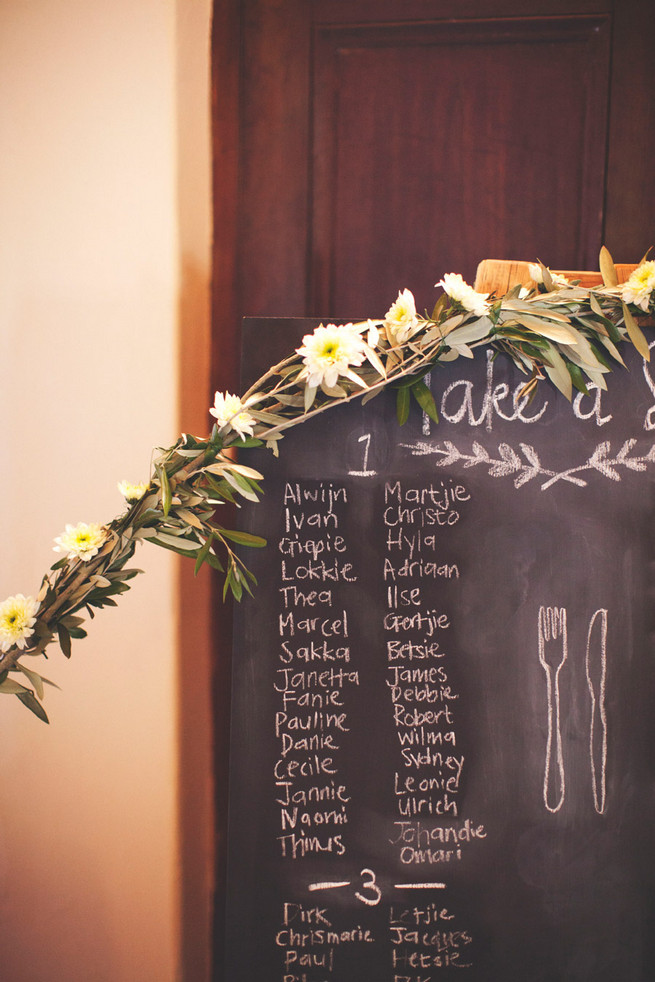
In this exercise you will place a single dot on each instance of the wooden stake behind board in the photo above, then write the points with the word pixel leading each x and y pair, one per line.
pixel 500 275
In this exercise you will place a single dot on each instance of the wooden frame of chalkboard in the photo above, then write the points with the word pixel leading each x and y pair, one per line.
pixel 442 721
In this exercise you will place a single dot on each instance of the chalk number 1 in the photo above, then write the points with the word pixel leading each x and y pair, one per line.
pixel 365 472
pixel 366 440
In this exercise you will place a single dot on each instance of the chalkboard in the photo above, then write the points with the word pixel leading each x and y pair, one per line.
pixel 444 689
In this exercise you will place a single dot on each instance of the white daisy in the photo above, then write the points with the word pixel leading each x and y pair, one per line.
pixel 401 317
pixel 17 619
pixel 639 287
pixel 330 352
pixel 459 290
pixel 230 411
pixel 132 492
pixel 81 541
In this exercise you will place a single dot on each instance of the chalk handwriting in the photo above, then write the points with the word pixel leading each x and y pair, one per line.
pixel 595 412
pixel 457 402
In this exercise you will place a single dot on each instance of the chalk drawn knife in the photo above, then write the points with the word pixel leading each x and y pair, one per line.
pixel 596 668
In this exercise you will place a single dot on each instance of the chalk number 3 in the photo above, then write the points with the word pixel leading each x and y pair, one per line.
pixel 369 884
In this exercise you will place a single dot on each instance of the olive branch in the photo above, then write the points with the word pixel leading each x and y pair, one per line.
pixel 566 333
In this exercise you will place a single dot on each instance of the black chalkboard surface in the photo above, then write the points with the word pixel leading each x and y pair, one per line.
pixel 442 734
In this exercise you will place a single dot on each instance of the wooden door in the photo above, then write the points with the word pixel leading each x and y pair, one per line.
pixel 362 147
pixel 365 146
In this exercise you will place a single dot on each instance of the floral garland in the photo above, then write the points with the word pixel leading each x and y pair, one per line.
pixel 556 329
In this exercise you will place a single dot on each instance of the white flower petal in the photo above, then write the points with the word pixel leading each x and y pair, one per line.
pixel 401 320
pixel 17 619
pixel 229 411
pixel 81 541
pixel 459 290
pixel 329 352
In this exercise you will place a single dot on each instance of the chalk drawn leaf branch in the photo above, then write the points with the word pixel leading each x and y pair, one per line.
pixel 529 466
pixel 556 330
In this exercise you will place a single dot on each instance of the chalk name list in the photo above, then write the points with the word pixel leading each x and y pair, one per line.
pixel 316 673
pixel 316 683
pixel 428 831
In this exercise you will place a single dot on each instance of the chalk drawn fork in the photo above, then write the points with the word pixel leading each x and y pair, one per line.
pixel 553 652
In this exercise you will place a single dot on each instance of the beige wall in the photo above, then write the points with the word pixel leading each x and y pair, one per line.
pixel 95 234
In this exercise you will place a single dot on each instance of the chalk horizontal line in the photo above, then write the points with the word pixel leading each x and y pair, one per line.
pixel 329 885
pixel 420 886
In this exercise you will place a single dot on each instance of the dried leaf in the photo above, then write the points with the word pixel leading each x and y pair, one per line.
pixel 11 687
pixel 334 391
pixel 286 400
pixel 636 334
pixel 246 471
pixel 468 333
pixel 607 268
pixel 439 306
pixel 190 519
pixel 34 678
pixel 310 395
pixel 354 377
pixel 450 324
pixel 595 306
pixel 450 355
pixel 263 417
pixel 375 361
pixel 547 278
pixel 562 333
pixel 613 350
pixel 558 373
pixel 532 307
pixel 462 349
pixel 371 395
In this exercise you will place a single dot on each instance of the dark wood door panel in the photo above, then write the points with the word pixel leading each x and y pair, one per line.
pixel 439 143
pixel 361 145
pixel 372 145
pixel 274 120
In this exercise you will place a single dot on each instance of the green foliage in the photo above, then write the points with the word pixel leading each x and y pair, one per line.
pixel 569 334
